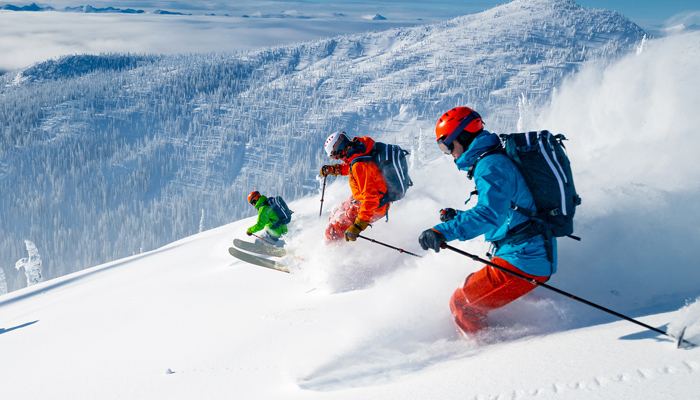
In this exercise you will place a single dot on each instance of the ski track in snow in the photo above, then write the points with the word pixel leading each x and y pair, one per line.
pixel 338 377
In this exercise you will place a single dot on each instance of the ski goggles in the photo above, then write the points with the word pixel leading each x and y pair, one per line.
pixel 446 148
pixel 340 147
pixel 445 143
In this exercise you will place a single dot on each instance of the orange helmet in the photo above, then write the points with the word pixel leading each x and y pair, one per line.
pixel 253 197
pixel 454 122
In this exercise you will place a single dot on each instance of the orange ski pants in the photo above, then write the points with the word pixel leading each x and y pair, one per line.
pixel 486 290
pixel 343 216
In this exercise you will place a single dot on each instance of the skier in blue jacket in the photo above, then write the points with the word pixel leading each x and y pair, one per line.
pixel 499 185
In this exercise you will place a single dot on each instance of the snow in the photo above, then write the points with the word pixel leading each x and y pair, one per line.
pixel 359 320
pixel 188 321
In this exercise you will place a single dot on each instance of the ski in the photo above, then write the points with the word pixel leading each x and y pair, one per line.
pixel 260 248
pixel 252 259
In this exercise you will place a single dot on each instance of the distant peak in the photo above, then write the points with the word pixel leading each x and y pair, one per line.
pixel 375 17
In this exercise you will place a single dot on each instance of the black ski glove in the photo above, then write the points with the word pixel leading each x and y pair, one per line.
pixel 447 214
pixel 431 239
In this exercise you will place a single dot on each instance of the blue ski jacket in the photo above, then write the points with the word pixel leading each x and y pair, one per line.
pixel 499 183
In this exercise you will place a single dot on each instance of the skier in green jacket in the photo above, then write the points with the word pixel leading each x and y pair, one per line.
pixel 267 219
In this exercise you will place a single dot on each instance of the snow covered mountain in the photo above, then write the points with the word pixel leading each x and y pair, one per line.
pixel 103 156
pixel 356 320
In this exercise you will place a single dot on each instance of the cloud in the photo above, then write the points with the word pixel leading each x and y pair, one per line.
pixel 685 21
pixel 26 38
pixel 632 130
pixel 29 37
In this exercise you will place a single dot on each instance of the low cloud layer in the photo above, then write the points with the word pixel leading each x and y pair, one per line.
pixel 225 25
pixel 29 37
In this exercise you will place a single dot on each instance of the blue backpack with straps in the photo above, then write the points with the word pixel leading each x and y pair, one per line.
pixel 280 208
pixel 541 159
pixel 391 161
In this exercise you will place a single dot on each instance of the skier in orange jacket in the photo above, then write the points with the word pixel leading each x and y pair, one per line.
pixel 366 182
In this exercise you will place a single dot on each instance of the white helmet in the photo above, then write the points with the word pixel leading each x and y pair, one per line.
pixel 332 144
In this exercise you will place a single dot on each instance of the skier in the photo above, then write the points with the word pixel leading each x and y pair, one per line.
pixel 267 221
pixel 499 185
pixel 364 206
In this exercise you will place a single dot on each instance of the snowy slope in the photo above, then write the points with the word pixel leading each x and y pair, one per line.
pixel 105 156
pixel 188 321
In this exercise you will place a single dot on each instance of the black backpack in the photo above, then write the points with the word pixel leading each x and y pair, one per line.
pixel 391 161
pixel 280 209
pixel 541 159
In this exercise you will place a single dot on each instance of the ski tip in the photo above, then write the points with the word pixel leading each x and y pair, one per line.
pixel 260 261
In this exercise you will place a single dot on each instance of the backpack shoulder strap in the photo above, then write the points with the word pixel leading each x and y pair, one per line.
pixel 495 150
pixel 367 157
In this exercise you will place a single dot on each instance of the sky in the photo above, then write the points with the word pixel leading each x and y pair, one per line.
pixel 645 11
pixel 26 38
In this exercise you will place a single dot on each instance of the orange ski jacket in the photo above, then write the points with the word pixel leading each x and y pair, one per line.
pixel 366 182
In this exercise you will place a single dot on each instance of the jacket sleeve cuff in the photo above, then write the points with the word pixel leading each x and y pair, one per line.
pixel 446 230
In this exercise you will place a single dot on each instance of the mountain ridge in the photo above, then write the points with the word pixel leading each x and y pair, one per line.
pixel 87 9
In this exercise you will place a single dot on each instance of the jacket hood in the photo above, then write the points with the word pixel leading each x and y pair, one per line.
pixel 262 200
pixel 481 144
pixel 365 145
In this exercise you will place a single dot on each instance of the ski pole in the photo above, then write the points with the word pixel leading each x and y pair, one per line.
pixel 260 238
pixel 386 245
pixel 544 285
pixel 323 193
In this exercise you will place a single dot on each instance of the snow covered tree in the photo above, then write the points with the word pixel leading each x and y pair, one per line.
pixel 201 222
pixel 31 264
pixel 3 283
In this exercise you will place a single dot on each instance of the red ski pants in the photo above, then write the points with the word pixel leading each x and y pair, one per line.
pixel 486 290
pixel 344 215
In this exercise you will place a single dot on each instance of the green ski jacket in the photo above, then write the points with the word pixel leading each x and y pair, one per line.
pixel 266 218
